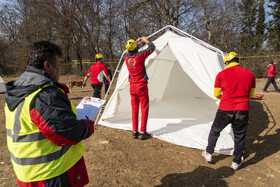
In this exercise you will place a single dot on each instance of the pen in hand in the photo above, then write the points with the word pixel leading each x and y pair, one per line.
pixel 89 119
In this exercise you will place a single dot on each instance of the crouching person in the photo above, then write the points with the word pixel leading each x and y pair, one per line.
pixel 43 133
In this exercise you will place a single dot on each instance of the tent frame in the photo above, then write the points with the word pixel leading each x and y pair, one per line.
pixel 167 27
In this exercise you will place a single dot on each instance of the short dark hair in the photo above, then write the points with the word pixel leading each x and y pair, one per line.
pixel 98 59
pixel 43 51
pixel 235 60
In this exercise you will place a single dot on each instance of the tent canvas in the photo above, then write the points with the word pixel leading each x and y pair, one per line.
pixel 181 73
pixel 2 85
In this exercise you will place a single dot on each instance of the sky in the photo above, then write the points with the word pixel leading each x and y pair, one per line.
pixel 3 1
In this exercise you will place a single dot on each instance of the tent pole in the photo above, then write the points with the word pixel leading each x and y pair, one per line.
pixel 111 82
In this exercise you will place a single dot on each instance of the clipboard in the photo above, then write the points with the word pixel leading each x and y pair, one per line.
pixel 89 107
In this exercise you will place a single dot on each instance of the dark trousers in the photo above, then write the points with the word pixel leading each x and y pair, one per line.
pixel 269 81
pixel 239 121
pixel 106 88
pixel 97 90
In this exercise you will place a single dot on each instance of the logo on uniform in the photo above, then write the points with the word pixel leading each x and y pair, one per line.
pixel 131 62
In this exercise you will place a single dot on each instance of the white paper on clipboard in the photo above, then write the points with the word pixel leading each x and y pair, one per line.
pixel 89 107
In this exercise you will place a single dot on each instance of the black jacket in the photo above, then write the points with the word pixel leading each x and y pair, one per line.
pixel 50 109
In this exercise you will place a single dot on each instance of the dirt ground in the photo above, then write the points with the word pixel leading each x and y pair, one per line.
pixel 113 158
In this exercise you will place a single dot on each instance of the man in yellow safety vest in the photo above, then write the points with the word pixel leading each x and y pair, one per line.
pixel 43 133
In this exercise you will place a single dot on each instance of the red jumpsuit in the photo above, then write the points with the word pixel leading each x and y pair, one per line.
pixel 135 62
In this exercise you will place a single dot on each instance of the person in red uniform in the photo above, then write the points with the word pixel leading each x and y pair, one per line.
pixel 97 72
pixel 233 86
pixel 135 62
pixel 271 74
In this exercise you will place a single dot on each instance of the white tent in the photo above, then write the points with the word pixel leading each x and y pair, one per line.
pixel 2 85
pixel 181 73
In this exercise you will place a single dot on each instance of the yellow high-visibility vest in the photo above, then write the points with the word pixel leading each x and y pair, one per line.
pixel 34 157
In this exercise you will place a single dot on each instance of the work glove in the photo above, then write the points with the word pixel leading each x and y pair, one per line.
pixel 91 125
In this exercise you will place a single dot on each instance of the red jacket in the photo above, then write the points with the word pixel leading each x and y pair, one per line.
pixel 135 62
pixel 271 72
pixel 97 72
pixel 236 83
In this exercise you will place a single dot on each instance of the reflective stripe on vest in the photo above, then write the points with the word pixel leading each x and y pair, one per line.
pixel 34 157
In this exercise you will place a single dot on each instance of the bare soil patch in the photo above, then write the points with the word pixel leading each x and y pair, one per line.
pixel 113 158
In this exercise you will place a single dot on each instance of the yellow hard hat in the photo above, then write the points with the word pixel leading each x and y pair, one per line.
pixel 131 45
pixel 230 56
pixel 98 56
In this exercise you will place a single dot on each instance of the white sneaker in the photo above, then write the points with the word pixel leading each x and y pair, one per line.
pixel 207 156
pixel 235 166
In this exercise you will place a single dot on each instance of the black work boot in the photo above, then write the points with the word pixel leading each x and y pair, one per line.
pixel 144 136
pixel 135 134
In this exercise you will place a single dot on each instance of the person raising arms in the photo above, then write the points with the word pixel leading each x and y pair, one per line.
pixel 138 79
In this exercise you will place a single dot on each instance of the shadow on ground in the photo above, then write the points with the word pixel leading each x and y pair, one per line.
pixel 201 176
pixel 263 137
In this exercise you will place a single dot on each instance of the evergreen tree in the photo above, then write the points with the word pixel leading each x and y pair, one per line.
pixel 274 25
pixel 260 27
pixel 248 32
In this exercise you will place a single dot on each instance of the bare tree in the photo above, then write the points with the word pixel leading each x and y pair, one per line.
pixel 218 20
pixel 170 12
pixel 9 23
pixel 111 13
pixel 85 27
pixel 88 20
